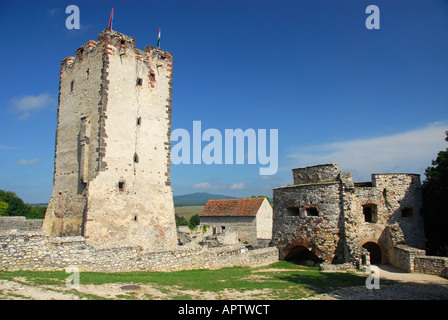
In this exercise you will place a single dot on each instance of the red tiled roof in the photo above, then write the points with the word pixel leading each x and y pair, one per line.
pixel 232 207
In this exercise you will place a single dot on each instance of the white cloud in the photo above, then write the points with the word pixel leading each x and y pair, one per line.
pixel 30 162
pixel 237 186
pixel 28 104
pixel 206 185
pixel 407 152
pixel 55 11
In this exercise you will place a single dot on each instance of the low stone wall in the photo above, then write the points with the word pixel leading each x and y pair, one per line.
pixel 19 223
pixel 411 259
pixel 432 265
pixel 403 257
pixel 37 251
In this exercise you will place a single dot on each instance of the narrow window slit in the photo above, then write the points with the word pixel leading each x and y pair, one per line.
pixel 311 212
pixel 293 211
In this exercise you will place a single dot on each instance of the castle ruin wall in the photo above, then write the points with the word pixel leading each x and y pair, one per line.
pixel 37 251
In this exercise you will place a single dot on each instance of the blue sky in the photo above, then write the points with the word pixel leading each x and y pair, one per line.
pixel 370 100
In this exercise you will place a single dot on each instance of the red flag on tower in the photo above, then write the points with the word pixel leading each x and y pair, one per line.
pixel 158 40
pixel 111 19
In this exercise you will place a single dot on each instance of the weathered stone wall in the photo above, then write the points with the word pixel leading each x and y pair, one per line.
pixel 401 192
pixel 411 259
pixel 112 158
pixel 196 235
pixel 76 150
pixel 353 251
pixel 19 223
pixel 293 226
pixel 37 251
pixel 408 258
pixel 431 265
pixel 386 195
pixel 245 228
pixel 403 257
pixel 316 174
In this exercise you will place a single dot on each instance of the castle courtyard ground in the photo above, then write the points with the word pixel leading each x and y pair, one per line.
pixel 394 285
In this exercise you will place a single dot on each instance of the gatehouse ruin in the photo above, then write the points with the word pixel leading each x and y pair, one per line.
pixel 326 217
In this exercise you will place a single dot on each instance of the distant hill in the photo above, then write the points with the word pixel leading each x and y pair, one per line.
pixel 38 204
pixel 197 199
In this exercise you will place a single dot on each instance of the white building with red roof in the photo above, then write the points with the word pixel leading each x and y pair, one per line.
pixel 239 221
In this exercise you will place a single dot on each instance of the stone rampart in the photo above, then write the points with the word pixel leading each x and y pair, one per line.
pixel 37 251
pixel 19 223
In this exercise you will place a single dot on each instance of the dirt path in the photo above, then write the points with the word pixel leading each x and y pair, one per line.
pixel 390 273
pixel 395 284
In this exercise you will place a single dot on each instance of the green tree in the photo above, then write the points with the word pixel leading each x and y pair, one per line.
pixel 36 212
pixel 16 206
pixel 194 221
pixel 3 208
pixel 180 221
pixel 435 204
pixel 269 200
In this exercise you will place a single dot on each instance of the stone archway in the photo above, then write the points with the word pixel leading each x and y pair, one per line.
pixel 302 255
pixel 375 252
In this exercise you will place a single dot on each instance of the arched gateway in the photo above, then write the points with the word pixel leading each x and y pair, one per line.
pixel 375 252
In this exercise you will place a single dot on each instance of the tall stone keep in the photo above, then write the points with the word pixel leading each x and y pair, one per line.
pixel 112 155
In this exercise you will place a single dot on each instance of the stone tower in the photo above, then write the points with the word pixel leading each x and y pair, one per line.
pixel 112 153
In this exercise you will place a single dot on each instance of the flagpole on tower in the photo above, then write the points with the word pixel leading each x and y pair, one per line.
pixel 111 19
pixel 158 40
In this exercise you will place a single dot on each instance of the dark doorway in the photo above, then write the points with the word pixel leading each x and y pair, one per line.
pixel 301 255
pixel 375 252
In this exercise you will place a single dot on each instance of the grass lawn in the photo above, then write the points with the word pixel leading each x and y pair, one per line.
pixel 281 280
